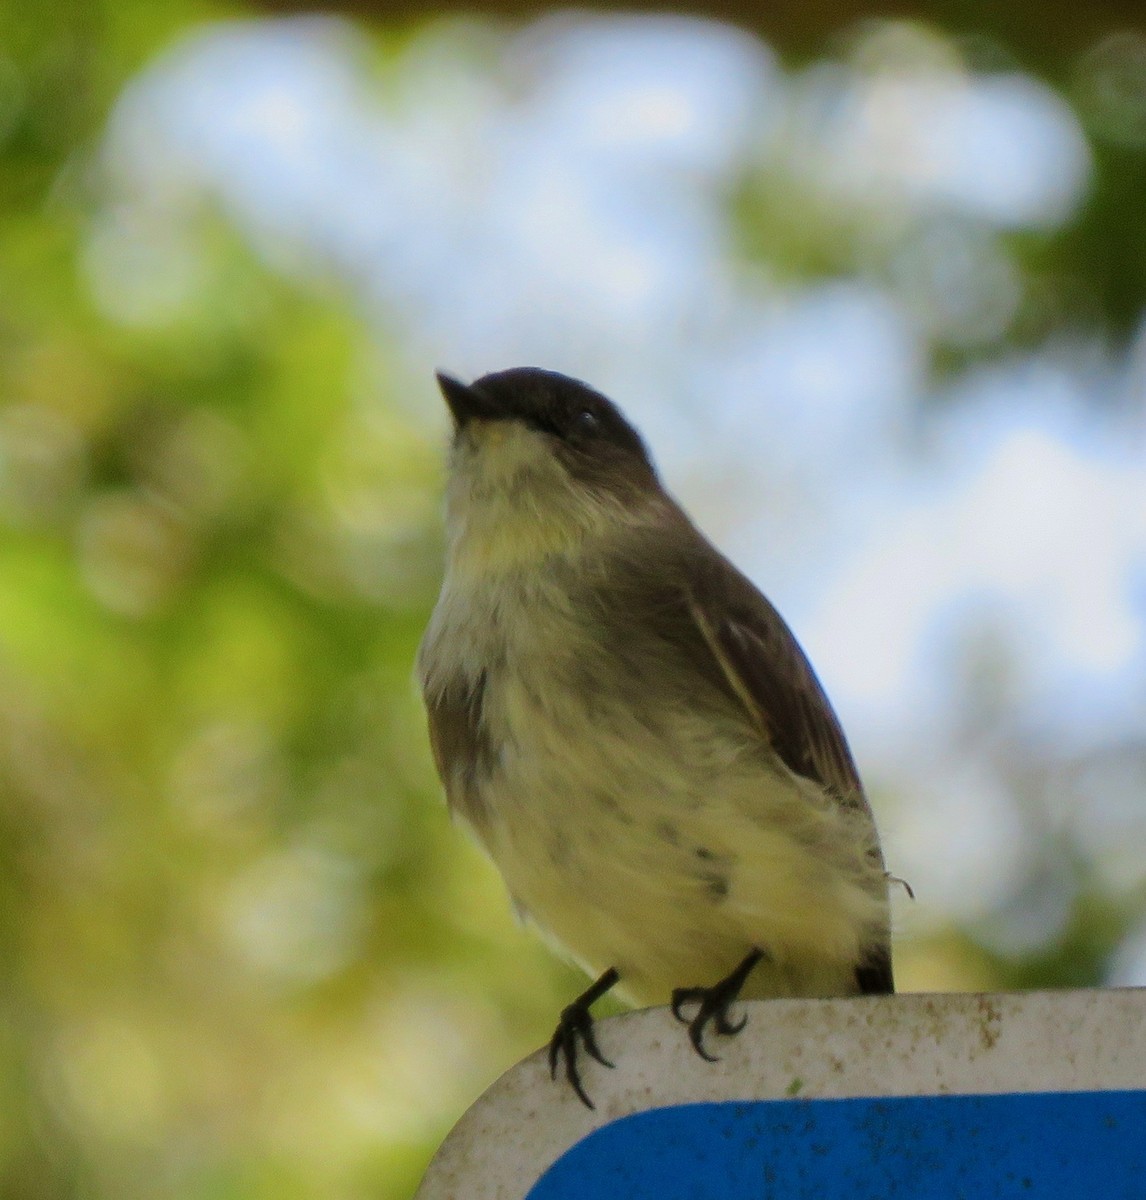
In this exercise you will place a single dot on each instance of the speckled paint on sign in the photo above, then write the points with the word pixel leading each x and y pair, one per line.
pixel 870 1055
pixel 1008 1147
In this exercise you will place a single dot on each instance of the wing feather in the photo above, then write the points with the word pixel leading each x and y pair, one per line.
pixel 462 750
pixel 764 666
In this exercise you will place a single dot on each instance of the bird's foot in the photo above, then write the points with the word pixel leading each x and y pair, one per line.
pixel 576 1026
pixel 714 1003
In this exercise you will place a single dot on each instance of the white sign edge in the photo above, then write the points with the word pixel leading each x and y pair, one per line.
pixel 914 1044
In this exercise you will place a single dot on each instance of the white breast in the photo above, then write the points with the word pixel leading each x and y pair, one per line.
pixel 660 841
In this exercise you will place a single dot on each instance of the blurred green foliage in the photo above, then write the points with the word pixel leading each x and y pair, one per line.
pixel 243 953
pixel 238 935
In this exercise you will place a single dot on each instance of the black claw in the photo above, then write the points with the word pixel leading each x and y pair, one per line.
pixel 682 996
pixel 576 1026
pixel 555 1044
pixel 725 1026
pixel 714 1003
pixel 696 1036
pixel 590 1040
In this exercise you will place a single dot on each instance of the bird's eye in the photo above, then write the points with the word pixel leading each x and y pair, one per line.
pixel 586 421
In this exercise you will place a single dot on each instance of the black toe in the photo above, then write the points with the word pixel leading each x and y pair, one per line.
pixel 575 1030
pixel 713 1005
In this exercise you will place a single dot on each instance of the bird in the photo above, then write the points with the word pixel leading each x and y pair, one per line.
pixel 631 731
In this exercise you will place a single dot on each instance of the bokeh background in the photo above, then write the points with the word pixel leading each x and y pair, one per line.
pixel 871 280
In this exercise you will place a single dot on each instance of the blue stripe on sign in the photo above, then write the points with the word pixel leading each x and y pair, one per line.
pixel 1042 1146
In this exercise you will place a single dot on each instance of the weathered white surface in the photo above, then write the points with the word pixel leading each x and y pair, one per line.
pixel 867 1046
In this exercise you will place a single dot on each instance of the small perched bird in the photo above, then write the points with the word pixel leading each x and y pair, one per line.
pixel 631 730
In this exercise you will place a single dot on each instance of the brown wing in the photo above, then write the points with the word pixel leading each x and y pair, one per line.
pixel 764 665
pixel 462 750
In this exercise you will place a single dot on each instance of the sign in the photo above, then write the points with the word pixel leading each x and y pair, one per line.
pixel 1036 1095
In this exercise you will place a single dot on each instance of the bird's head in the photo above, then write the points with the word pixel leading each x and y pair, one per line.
pixel 540 463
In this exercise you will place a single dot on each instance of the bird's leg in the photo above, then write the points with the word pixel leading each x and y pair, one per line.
pixel 577 1023
pixel 714 1004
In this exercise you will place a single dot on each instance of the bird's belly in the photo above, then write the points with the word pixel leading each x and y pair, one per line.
pixel 668 847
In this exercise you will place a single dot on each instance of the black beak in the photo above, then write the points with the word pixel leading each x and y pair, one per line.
pixel 465 403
